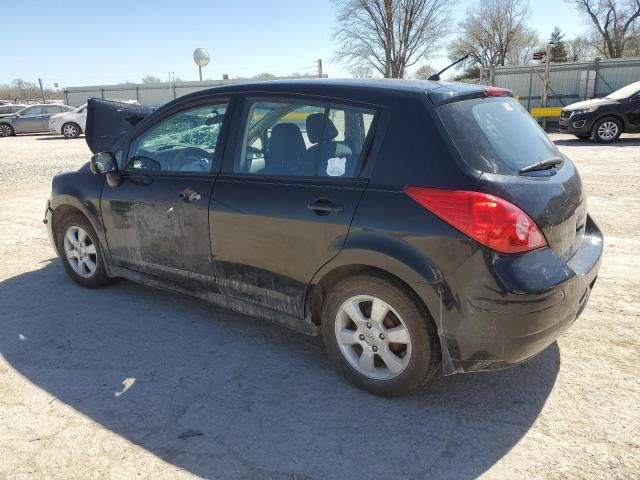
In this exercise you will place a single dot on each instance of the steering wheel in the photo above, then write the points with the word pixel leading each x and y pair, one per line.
pixel 193 159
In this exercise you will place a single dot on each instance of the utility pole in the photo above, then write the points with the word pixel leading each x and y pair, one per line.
pixel 42 90
pixel 319 68
pixel 545 86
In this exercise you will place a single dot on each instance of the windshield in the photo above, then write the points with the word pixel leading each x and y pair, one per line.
pixel 625 92
pixel 496 135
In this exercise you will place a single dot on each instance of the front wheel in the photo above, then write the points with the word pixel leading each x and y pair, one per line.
pixel 80 252
pixel 6 130
pixel 607 130
pixel 379 335
pixel 70 130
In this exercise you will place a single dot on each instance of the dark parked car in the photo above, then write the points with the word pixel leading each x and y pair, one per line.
pixel 32 119
pixel 422 228
pixel 604 119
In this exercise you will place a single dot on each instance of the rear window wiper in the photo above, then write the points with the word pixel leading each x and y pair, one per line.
pixel 542 165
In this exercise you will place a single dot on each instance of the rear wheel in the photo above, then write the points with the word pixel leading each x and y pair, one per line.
pixel 70 130
pixel 80 251
pixel 607 130
pixel 6 130
pixel 379 335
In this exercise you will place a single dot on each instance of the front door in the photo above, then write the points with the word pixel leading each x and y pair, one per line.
pixel 633 113
pixel 284 207
pixel 29 120
pixel 156 219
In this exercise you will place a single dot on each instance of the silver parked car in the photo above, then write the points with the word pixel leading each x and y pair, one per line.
pixel 10 108
pixel 32 119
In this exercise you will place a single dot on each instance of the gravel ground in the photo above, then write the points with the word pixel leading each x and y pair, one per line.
pixel 130 382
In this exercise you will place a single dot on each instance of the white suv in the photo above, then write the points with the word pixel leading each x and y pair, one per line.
pixel 71 124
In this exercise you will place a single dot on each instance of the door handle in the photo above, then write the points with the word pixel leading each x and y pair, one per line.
pixel 324 206
pixel 189 196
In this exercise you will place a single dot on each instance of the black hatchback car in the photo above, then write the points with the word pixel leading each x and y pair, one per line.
pixel 421 228
pixel 604 119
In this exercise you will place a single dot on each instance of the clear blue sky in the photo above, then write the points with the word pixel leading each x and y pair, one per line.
pixel 93 42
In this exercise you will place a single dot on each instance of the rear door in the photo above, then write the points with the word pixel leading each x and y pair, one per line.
pixel 284 202
pixel 156 220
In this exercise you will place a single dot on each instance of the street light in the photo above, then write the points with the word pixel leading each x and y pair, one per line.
pixel 201 57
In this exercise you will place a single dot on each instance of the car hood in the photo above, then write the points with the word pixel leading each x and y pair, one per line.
pixel 108 121
pixel 595 102
pixel 8 116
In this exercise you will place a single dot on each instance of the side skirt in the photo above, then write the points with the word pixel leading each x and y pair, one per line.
pixel 303 325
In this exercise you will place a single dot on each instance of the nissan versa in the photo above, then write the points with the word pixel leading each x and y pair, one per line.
pixel 422 228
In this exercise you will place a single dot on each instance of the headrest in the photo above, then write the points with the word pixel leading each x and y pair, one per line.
pixel 316 122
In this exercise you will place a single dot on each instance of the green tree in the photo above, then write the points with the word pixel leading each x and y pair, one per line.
pixel 424 72
pixel 558 50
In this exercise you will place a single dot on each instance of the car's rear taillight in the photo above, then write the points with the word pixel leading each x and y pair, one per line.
pixel 497 92
pixel 488 219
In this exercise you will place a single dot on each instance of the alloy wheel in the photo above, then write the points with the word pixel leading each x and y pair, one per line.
pixel 608 130
pixel 372 337
pixel 5 130
pixel 80 251
pixel 70 131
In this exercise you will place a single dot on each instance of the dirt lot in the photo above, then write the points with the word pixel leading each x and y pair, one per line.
pixel 132 382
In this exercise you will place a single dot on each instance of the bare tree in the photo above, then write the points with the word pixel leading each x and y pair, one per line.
pixel 151 79
pixel 388 36
pixel 495 32
pixel 579 49
pixel 20 90
pixel 615 21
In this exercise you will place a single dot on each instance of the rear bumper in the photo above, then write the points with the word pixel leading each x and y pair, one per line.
pixel 537 297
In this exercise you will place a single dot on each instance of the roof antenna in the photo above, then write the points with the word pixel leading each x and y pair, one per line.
pixel 436 76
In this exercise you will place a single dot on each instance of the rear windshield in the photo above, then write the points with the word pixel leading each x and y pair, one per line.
pixel 496 135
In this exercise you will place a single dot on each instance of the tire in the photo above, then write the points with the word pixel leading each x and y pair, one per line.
pixel 414 357
pixel 583 137
pixel 78 263
pixel 607 130
pixel 6 130
pixel 70 130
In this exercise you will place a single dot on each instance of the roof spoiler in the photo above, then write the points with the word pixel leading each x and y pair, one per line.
pixel 108 121
pixel 456 92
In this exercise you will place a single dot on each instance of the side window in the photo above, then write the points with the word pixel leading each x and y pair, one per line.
pixel 294 139
pixel 52 110
pixel 183 142
pixel 32 111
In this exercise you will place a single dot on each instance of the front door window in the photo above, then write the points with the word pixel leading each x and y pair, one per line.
pixel 184 142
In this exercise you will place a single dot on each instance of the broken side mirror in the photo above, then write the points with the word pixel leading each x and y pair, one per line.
pixel 104 163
